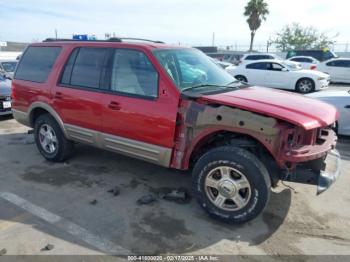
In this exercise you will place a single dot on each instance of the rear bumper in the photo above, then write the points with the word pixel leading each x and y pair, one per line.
pixel 321 172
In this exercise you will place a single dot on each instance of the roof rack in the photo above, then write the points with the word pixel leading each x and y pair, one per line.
pixel 79 40
pixel 112 39
pixel 139 39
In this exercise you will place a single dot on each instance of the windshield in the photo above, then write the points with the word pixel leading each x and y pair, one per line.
pixel 191 68
pixel 9 66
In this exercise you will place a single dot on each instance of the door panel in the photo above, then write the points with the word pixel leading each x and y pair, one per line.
pixel 256 76
pixel 78 107
pixel 276 78
pixel 138 107
pixel 77 97
pixel 344 112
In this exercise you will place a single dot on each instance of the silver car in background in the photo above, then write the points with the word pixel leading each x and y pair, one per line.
pixel 341 100
pixel 5 96
pixel 7 68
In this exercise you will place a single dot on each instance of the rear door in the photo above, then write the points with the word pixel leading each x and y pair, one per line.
pixel 139 114
pixel 256 73
pixel 77 96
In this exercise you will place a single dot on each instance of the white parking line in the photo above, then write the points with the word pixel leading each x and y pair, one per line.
pixel 83 234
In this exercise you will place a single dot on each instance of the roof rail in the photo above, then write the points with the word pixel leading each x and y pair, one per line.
pixel 112 39
pixel 78 40
pixel 140 39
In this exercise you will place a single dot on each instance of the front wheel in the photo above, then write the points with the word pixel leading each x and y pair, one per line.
pixel 231 184
pixel 305 85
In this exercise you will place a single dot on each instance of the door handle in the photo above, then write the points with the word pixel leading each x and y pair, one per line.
pixel 58 95
pixel 348 106
pixel 114 105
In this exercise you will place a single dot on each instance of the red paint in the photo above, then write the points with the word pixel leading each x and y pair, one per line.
pixel 294 108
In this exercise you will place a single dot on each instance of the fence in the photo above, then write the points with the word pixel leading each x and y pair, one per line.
pixel 338 47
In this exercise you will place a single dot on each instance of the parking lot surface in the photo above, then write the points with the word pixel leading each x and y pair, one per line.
pixel 53 203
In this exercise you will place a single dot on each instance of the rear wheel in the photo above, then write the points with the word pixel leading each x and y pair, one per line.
pixel 50 139
pixel 305 85
pixel 231 184
pixel 241 78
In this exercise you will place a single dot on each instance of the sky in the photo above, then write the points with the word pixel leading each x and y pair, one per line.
pixel 189 22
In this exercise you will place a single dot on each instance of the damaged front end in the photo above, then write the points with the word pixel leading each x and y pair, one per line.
pixel 310 157
pixel 289 152
pixel 322 172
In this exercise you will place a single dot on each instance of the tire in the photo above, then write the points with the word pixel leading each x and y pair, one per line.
pixel 241 78
pixel 305 86
pixel 61 148
pixel 242 166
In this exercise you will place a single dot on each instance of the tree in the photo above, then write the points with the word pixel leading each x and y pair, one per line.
pixel 295 36
pixel 256 11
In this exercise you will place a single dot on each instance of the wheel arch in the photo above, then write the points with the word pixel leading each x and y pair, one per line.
pixel 237 75
pixel 40 108
pixel 302 78
pixel 223 136
pixel 257 145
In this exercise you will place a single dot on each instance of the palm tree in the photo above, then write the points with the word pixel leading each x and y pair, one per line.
pixel 256 11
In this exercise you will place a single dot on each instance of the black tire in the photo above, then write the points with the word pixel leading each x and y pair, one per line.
pixel 244 162
pixel 241 78
pixel 64 147
pixel 306 81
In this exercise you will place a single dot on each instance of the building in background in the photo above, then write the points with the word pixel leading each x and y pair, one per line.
pixel 11 50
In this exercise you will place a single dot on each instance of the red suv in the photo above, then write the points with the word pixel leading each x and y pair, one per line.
pixel 174 107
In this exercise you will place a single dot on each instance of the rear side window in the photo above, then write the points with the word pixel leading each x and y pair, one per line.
pixel 339 63
pixel 84 67
pixel 259 57
pixel 259 66
pixel 36 63
pixel 302 60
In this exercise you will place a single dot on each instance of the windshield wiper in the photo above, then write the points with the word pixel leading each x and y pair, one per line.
pixel 207 85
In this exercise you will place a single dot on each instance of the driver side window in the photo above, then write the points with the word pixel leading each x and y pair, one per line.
pixel 133 74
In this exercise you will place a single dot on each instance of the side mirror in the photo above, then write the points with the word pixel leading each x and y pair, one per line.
pixel 284 69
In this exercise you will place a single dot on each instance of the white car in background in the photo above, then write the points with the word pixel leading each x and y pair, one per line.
pixel 306 62
pixel 222 64
pixel 341 100
pixel 337 68
pixel 246 58
pixel 280 74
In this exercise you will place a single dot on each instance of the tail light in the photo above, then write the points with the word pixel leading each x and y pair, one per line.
pixel 313 67
pixel 13 91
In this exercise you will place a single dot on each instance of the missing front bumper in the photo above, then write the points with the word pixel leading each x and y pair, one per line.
pixel 320 172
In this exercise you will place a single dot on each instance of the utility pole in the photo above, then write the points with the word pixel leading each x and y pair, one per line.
pixel 56 34
pixel 213 39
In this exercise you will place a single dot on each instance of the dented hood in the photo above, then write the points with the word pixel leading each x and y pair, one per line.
pixel 294 108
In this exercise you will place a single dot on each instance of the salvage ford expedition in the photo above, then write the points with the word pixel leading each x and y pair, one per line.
pixel 174 107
